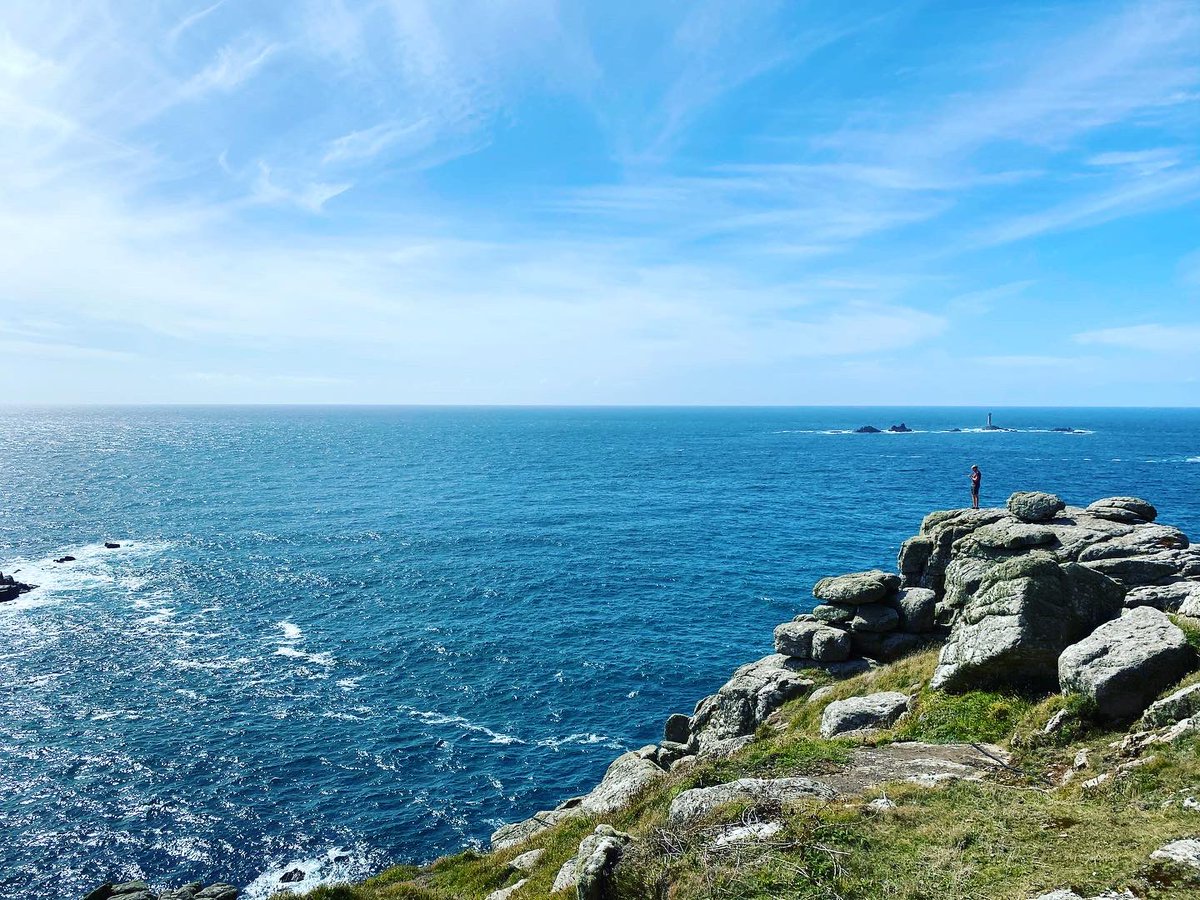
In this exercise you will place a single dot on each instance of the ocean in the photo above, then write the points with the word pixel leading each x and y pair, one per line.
pixel 336 638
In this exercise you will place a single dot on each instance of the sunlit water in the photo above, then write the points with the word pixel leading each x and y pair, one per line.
pixel 344 637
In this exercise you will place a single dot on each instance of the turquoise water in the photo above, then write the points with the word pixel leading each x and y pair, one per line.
pixel 341 637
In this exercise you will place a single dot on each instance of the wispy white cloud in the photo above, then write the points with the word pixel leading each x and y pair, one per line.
pixel 234 64
pixel 191 20
pixel 1165 188
pixel 368 143
pixel 1153 338
pixel 1143 162
pixel 307 195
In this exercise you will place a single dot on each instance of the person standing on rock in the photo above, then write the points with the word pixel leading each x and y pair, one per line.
pixel 976 480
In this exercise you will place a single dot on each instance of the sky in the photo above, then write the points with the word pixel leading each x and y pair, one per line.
pixel 969 202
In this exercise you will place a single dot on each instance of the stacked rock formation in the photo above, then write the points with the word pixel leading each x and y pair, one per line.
pixel 863 614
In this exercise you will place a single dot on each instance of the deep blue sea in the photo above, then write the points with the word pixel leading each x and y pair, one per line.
pixel 343 637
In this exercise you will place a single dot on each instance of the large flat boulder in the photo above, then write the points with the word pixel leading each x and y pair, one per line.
pixel 1134 507
pixel 879 710
pixel 1025 612
pixel 856 588
pixel 745 701
pixel 1124 664
pixel 700 802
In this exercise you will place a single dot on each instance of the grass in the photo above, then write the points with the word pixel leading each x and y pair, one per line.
pixel 1011 838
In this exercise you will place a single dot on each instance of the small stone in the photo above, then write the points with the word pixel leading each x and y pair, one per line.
pixel 527 861
pixel 292 876
pixel 506 893
pixel 881 804
pixel 697 802
pixel 742 834
pixel 1057 722
pixel 1182 704
pixel 820 694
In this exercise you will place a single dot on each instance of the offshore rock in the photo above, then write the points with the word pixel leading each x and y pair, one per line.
pixel 1035 506
pixel 1026 611
pixel 745 701
pixel 11 589
pixel 1124 664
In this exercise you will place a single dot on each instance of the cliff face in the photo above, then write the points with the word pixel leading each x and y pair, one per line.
pixel 971 725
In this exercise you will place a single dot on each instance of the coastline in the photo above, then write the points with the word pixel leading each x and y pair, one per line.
pixel 1116 564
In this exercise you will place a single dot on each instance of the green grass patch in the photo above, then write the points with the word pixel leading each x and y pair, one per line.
pixel 979 716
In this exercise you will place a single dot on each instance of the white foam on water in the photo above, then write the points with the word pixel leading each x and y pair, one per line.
pixel 1193 459
pixel 320 659
pixel 583 737
pixel 291 631
pixel 348 684
pixel 92 568
pixel 337 865
pixel 430 717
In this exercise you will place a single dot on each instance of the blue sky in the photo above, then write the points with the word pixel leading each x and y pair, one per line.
pixel 529 201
